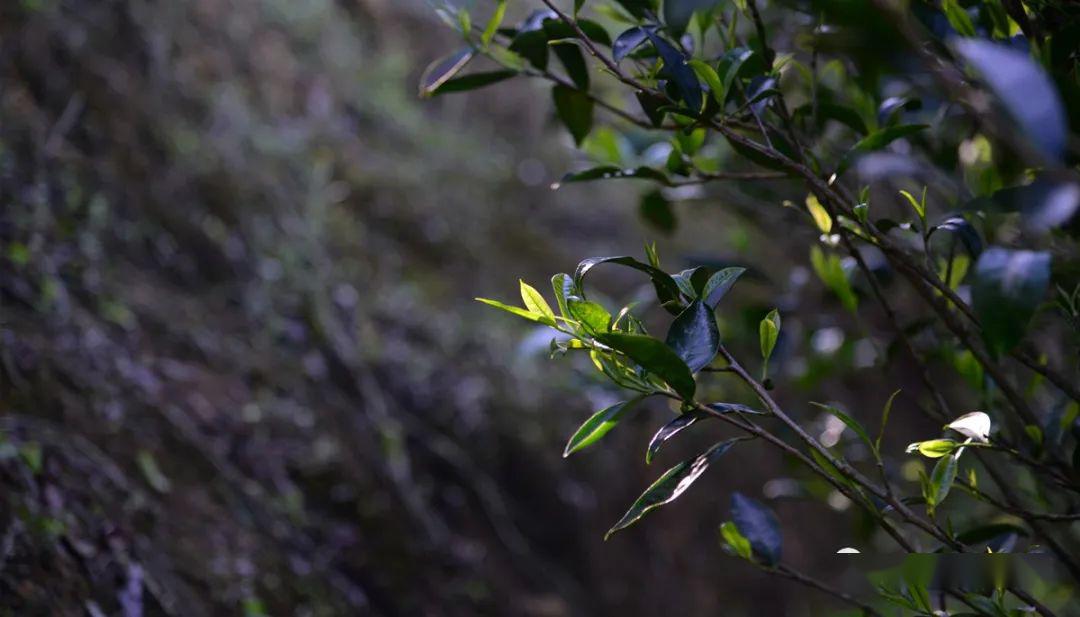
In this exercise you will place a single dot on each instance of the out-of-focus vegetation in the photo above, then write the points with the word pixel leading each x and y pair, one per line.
pixel 241 371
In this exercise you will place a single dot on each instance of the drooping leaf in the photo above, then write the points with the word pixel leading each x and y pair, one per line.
pixel 627 42
pixel 534 301
pixel 885 411
pixel 656 210
pixel 694 336
pixel 964 230
pixel 520 312
pixel 669 430
pixel 611 172
pixel 831 271
pixel 531 45
pixel 560 37
pixel 666 289
pixel 848 421
pixel 1008 287
pixel 759 525
pixel 442 70
pixel 719 284
pixel 876 141
pixel 941 481
pixel 680 73
pixel 638 8
pixel 653 106
pixel 599 424
pixel 575 110
pixel 671 485
pixel 1023 88
pixel 656 357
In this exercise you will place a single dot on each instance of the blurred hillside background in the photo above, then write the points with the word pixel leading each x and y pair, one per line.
pixel 241 368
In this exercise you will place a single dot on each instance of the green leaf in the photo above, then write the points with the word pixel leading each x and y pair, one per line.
pixel 876 141
pixel 575 111
pixel 152 472
pixel 958 17
pixel 759 525
pixel 918 205
pixel 694 336
pixel 1024 88
pixel 734 408
pixel 472 81
pixel 560 37
pixel 531 45
pixel 442 70
pixel 638 8
pixel 657 212
pixel 851 423
pixel 1008 287
pixel 653 106
pixel 983 534
pixel 611 172
pixel 493 23
pixel 768 332
pixel 520 312
pixel 563 286
pixel 830 270
pixel 708 75
pixel 594 318
pixel 599 424
pixel 819 213
pixel 656 357
pixel 731 64
pixel 669 430
pixel 534 301
pixel 738 542
pixel 941 481
pixel 669 486
pixel 627 42
pixel 884 420
pixel 719 284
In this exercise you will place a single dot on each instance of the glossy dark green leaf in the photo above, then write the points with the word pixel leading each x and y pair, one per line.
pixel 656 357
pixel 1008 287
pixel 442 70
pixel 694 336
pixel 837 113
pixel 568 53
pixel 890 109
pixel 759 525
pixel 984 534
pixel 656 210
pixel 666 288
pixel 1044 204
pixel 575 110
pixel 532 45
pixel 599 424
pixel 611 172
pixel 671 485
pixel 595 32
pixel 964 230
pixel 680 73
pixel 472 81
pixel 627 42
pixel 593 317
pixel 652 105
pixel 719 284
pixel 1023 88
pixel 876 141
pixel 734 408
pixel 677 13
pixel 731 65
pixel 671 429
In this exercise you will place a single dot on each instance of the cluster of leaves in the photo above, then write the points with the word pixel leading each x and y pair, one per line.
pixel 874 146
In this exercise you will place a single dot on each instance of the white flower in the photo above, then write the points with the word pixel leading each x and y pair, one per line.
pixel 975 425
pixel 847 550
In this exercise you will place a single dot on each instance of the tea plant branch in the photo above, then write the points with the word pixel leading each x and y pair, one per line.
pixel 841 465
pixel 1021 512
pixel 752 428
pixel 814 583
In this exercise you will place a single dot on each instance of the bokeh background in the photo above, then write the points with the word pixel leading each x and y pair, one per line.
pixel 241 368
